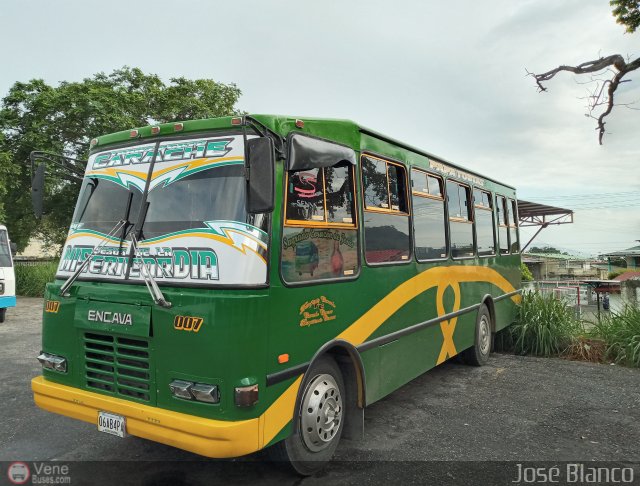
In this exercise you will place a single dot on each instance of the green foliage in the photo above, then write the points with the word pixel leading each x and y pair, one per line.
pixel 627 13
pixel 621 334
pixel 613 275
pixel 544 326
pixel 526 274
pixel 547 249
pixel 32 279
pixel 64 118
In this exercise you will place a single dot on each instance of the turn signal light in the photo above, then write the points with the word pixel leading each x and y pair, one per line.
pixel 133 133
pixel 299 123
pixel 178 127
pixel 236 121
pixel 53 362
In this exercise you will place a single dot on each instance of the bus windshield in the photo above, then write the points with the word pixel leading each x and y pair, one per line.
pixel 5 251
pixel 195 220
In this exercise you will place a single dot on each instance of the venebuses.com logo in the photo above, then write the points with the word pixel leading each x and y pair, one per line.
pixel 18 473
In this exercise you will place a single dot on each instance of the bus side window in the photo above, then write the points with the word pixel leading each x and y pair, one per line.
pixel 503 228
pixel 513 227
pixel 305 195
pixel 485 227
pixel 460 220
pixel 386 216
pixel 320 239
pixel 428 217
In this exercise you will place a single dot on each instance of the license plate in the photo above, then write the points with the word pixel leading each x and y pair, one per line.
pixel 111 423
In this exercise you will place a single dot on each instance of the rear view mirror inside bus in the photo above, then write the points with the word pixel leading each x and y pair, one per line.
pixel 260 162
pixel 37 191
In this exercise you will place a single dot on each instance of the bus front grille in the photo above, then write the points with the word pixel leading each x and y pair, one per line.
pixel 117 365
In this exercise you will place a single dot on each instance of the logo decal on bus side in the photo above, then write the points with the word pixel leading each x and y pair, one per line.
pixel 188 323
pixel 52 306
pixel 316 311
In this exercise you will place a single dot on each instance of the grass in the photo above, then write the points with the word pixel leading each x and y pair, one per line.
pixel 620 332
pixel 544 326
pixel 31 279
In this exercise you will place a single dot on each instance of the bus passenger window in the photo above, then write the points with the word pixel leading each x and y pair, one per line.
pixel 513 227
pixel 305 196
pixel 386 218
pixel 428 217
pixel 320 240
pixel 485 232
pixel 374 178
pixel 503 228
pixel 460 220
pixel 339 192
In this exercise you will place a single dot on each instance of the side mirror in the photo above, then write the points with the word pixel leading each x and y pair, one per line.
pixel 37 191
pixel 261 164
pixel 13 247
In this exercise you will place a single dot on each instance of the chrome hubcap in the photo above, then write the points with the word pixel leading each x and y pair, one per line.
pixel 485 335
pixel 321 413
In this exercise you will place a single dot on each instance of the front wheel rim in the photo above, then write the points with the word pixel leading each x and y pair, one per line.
pixel 484 336
pixel 321 413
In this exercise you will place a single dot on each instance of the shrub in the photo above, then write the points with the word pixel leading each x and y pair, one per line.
pixel 615 274
pixel 31 279
pixel 527 276
pixel 544 326
pixel 621 333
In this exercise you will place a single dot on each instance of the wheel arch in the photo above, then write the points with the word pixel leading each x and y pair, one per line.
pixel 350 363
pixel 488 301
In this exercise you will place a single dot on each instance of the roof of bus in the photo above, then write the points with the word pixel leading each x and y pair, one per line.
pixel 277 123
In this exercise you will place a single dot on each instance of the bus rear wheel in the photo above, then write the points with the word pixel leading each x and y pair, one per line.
pixel 478 354
pixel 318 423
pixel 3 314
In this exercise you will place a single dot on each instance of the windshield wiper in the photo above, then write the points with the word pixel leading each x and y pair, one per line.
pixel 152 286
pixel 65 286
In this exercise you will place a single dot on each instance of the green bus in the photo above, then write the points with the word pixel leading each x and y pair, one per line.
pixel 241 283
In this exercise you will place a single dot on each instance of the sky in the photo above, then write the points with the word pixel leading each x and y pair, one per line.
pixel 447 77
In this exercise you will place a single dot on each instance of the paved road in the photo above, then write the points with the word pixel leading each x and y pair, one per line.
pixel 516 409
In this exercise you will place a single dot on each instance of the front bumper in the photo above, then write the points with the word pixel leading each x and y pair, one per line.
pixel 207 437
pixel 7 301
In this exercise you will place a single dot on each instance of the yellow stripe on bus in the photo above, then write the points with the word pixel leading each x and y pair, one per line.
pixel 441 277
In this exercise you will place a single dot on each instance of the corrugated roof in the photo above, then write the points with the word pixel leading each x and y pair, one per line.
pixel 627 276
pixel 527 209
pixel 633 251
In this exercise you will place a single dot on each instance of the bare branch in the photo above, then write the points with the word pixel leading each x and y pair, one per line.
pixel 603 95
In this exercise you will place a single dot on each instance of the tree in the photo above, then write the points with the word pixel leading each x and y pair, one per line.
pixel 63 119
pixel 607 72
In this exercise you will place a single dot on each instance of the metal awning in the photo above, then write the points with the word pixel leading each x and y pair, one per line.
pixel 542 215
pixel 536 214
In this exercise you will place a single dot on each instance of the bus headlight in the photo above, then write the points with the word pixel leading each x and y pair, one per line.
pixel 53 362
pixel 201 392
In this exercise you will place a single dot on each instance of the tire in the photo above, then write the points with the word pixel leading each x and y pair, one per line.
pixel 3 314
pixel 478 354
pixel 318 422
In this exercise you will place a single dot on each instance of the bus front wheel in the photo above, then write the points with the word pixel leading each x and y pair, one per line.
pixel 478 354
pixel 318 423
